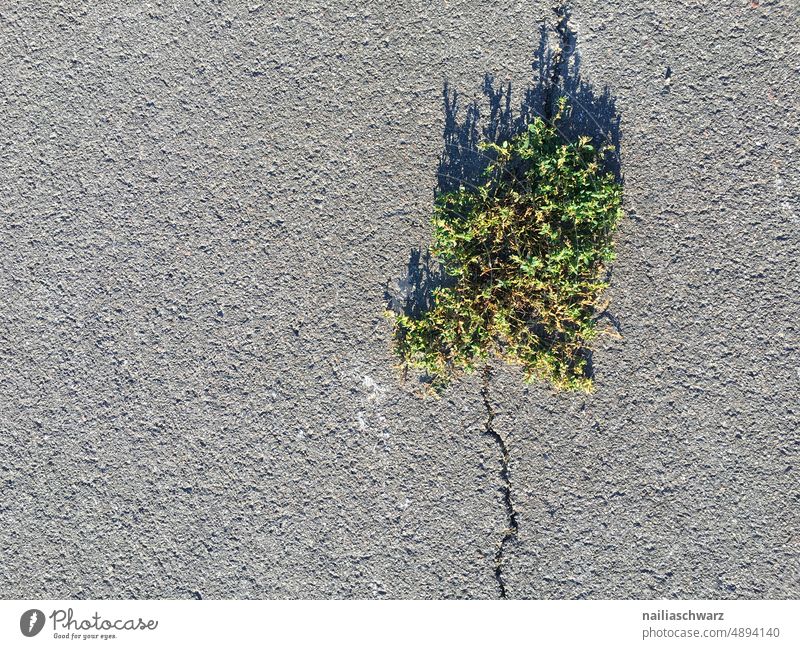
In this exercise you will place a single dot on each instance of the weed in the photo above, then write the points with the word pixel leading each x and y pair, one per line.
pixel 527 251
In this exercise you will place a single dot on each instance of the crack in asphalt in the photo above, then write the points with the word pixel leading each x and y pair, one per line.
pixel 505 474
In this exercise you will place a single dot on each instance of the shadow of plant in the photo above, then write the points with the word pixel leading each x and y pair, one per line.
pixel 413 295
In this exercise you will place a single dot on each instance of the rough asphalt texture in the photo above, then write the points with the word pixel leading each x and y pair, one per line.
pixel 202 204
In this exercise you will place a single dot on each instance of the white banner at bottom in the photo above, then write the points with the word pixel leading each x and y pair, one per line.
pixel 599 623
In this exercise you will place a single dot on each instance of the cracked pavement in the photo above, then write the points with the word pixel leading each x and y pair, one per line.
pixel 201 209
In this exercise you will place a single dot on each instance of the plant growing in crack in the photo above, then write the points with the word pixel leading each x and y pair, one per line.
pixel 527 250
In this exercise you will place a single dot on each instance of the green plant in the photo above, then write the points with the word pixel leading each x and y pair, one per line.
pixel 527 252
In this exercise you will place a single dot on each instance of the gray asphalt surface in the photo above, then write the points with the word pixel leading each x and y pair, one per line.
pixel 201 209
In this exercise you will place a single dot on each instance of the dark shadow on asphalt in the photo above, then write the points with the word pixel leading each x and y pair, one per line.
pixel 592 113
pixel 413 295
